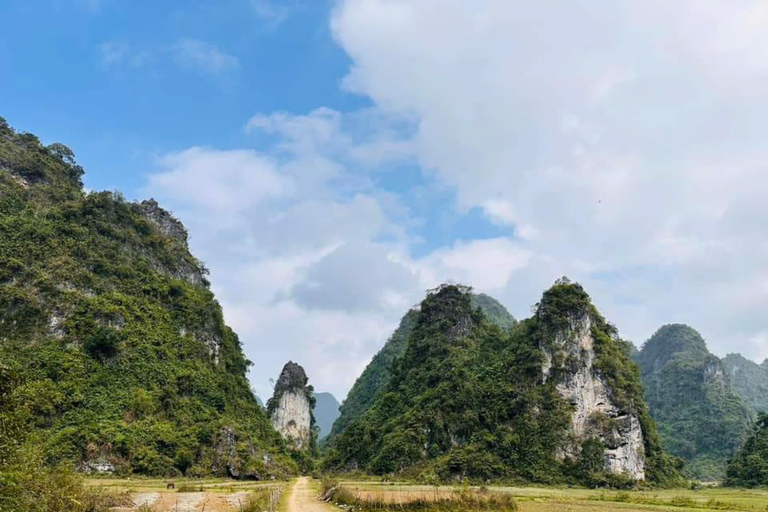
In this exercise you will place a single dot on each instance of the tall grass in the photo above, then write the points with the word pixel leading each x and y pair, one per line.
pixel 262 500
pixel 31 486
pixel 465 500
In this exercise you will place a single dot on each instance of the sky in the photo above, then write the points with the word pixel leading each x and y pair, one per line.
pixel 334 159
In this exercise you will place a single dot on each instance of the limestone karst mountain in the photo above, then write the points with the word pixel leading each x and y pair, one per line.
pixel 556 398
pixel 326 412
pixel 699 415
pixel 124 360
pixel 602 413
pixel 291 407
pixel 749 380
pixel 378 372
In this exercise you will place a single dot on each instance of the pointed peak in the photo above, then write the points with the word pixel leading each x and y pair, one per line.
pixel 564 304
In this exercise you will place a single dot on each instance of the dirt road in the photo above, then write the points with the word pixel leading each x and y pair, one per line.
pixel 303 499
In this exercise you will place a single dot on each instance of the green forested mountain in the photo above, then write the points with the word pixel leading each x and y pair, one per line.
pixel 469 399
pixel 326 412
pixel 123 357
pixel 700 417
pixel 749 380
pixel 749 468
pixel 377 374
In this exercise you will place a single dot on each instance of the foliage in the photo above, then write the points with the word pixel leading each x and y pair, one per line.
pixel 376 375
pixel 749 380
pixel 467 399
pixel 122 349
pixel 700 418
pixel 749 468
pixel 27 484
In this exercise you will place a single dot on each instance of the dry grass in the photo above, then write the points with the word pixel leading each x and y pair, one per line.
pixel 460 500
pixel 560 499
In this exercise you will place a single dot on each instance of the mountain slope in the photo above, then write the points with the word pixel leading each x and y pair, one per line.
pixel 749 468
pixel 378 372
pixel 326 412
pixel 700 417
pixel 471 400
pixel 125 359
pixel 749 380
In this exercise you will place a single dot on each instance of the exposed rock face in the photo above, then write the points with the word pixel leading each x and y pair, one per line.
pixel 291 407
pixel 167 224
pixel 571 355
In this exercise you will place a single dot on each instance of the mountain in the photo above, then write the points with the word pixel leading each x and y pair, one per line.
pixel 555 399
pixel 326 412
pixel 124 360
pixel 378 372
pixel 291 407
pixel 700 417
pixel 749 468
pixel 749 379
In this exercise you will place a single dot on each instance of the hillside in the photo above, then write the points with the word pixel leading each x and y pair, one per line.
pixel 700 417
pixel 749 467
pixel 557 398
pixel 378 372
pixel 749 380
pixel 326 412
pixel 124 359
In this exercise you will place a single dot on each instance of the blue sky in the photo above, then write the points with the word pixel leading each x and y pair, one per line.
pixel 332 159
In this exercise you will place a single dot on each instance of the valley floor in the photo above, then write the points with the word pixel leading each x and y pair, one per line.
pixel 228 496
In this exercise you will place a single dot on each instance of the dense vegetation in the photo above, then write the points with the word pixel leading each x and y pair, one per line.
pixel 749 468
pixel 376 375
pixel 700 417
pixel 121 349
pixel 749 380
pixel 467 398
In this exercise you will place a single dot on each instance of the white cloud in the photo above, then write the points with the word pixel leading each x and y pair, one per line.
pixel 624 141
pixel 118 53
pixel 204 57
pixel 293 236
pixel 227 181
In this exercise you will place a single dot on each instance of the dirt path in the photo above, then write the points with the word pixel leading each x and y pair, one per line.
pixel 302 499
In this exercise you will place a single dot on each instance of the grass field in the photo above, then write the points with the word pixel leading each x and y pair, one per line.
pixel 221 495
pixel 207 495
pixel 551 499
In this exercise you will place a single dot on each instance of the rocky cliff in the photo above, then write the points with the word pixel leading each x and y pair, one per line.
pixel 749 380
pixel 291 407
pixel 570 355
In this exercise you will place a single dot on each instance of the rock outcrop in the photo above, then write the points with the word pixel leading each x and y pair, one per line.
pixel 570 357
pixel 290 408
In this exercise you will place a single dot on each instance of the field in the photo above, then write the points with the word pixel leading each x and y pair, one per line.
pixel 551 499
pixel 208 495
pixel 218 495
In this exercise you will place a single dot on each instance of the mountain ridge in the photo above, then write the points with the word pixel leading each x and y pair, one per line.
pixel 377 373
